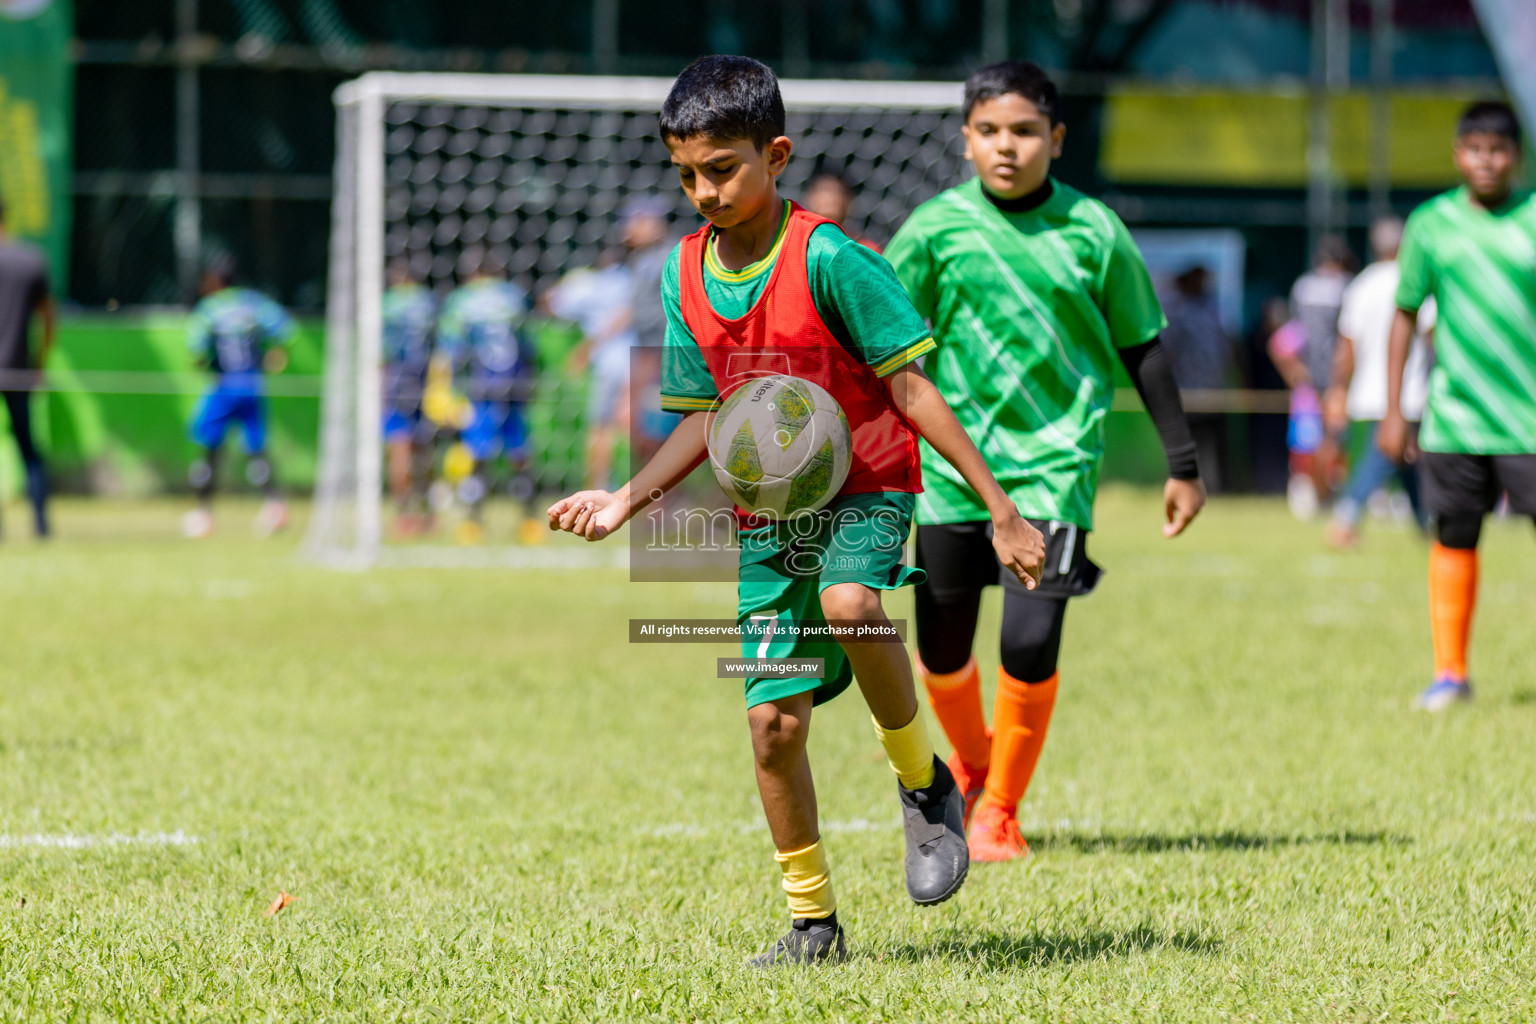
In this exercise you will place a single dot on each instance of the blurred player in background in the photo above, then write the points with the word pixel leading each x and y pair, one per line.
pixel 1202 358
pixel 479 337
pixel 650 424
pixel 1303 353
pixel 1304 431
pixel 239 334
pixel 410 318
pixel 829 196
pixel 24 292
pixel 1473 250
pixel 1035 293
pixel 1357 388
pixel 604 303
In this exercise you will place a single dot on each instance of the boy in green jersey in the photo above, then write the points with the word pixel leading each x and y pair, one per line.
pixel 1474 250
pixel 1035 293
pixel 768 282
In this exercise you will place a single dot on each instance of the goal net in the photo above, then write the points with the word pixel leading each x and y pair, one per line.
pixel 534 171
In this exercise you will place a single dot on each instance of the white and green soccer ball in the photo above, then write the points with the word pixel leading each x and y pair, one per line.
pixel 780 445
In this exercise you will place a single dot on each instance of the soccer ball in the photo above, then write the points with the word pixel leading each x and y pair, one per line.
pixel 780 445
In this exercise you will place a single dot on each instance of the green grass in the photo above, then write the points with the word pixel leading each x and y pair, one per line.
pixel 490 806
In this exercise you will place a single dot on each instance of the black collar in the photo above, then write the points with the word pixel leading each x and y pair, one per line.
pixel 1023 203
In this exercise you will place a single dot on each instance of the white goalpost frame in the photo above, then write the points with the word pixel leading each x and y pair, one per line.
pixel 353 387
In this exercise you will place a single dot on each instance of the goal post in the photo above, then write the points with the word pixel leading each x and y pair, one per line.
pixel 536 169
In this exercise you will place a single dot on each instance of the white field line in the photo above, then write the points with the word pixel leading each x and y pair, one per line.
pixel 70 841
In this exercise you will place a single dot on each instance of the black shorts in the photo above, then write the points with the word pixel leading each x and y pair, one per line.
pixel 1458 484
pixel 959 559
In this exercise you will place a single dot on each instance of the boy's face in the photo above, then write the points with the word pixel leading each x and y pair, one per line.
pixel 1012 144
pixel 1487 163
pixel 729 181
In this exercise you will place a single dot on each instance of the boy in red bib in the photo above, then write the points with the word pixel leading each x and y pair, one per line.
pixel 768 288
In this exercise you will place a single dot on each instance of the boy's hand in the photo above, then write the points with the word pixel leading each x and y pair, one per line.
pixel 1392 437
pixel 590 514
pixel 1020 547
pixel 1182 501
pixel 1336 410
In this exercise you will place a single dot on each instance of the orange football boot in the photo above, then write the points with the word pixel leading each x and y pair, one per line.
pixel 995 835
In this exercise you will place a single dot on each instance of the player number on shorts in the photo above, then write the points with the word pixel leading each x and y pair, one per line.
pixel 769 620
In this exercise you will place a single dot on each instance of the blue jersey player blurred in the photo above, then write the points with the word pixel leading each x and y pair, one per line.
pixel 240 335
pixel 479 335
pixel 410 321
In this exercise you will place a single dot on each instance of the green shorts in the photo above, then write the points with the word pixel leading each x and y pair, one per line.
pixel 785 566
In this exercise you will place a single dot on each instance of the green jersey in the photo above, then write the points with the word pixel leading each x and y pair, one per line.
pixel 1028 310
pixel 856 294
pixel 1480 266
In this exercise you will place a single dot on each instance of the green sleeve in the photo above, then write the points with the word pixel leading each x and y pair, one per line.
pixel 1125 293
pixel 1416 282
pixel 197 331
pixel 276 323
pixel 862 301
pixel 912 260
pixel 686 383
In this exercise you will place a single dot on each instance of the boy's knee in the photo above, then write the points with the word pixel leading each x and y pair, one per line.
pixel 777 738
pixel 851 601
pixel 1461 531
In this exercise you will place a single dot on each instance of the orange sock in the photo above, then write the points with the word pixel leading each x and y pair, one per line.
pixel 1452 596
pixel 956 701
pixel 1019 722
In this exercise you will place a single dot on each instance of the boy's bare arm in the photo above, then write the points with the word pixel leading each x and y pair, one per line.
pixel 595 514
pixel 1392 434
pixel 1019 546
pixel 1292 370
pixel 1335 399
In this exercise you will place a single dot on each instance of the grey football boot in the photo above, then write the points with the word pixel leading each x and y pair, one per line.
pixel 934 819
pixel 809 941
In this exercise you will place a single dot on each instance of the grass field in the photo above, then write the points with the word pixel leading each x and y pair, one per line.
pixel 489 806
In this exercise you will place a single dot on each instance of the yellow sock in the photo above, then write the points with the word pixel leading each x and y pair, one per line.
pixel 909 751
pixel 807 881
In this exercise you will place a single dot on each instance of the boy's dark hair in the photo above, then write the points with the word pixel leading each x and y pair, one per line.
pixel 1334 249
pixel 724 97
pixel 224 266
pixel 1490 116
pixel 1017 77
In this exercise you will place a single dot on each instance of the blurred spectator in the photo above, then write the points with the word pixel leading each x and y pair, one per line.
pixel 645 234
pixel 829 196
pixel 1302 351
pixel 598 300
pixel 645 238
pixel 1304 430
pixel 612 304
pixel 1358 385
pixel 1316 298
pixel 1267 448
pixel 23 292
pixel 1203 359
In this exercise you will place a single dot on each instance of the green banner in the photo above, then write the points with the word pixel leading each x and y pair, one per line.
pixel 36 107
